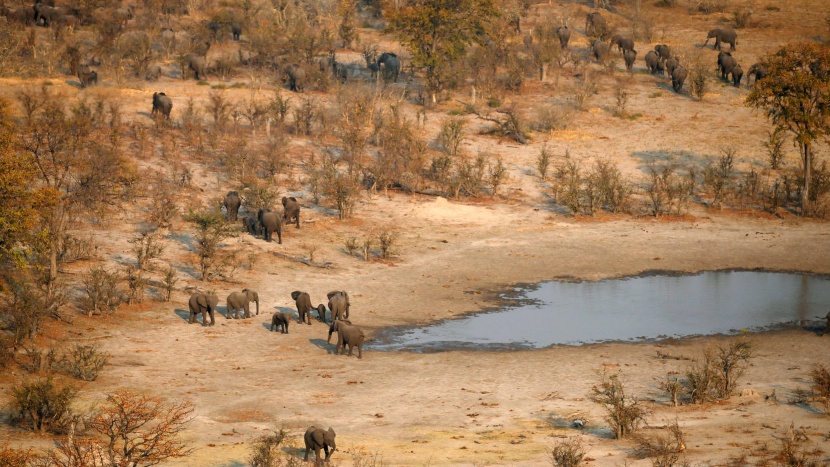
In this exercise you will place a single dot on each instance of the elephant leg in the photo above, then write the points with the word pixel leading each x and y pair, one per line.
pixel 305 458
pixel 192 318
pixel 212 318
pixel 247 313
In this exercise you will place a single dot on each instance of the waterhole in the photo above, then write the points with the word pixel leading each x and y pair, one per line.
pixel 641 308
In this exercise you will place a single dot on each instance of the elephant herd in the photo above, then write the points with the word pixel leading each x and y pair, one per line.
pixel 266 222
pixel 661 61
pixel 348 335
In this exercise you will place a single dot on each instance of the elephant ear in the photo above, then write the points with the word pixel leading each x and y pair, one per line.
pixel 213 300
pixel 331 294
pixel 252 295
pixel 295 294
pixel 201 299
pixel 330 436
pixel 318 436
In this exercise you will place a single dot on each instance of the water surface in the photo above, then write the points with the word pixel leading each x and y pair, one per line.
pixel 629 309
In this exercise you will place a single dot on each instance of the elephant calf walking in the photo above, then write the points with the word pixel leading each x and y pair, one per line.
pixel 239 301
pixel 280 320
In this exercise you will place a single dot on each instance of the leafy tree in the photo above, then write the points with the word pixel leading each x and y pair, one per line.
pixel 16 175
pixel 795 95
pixel 437 33
pixel 211 231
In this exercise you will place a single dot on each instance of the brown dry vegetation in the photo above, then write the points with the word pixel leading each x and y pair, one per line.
pixel 443 256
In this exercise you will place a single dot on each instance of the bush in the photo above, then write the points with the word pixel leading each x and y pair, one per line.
pixel 820 377
pixel 719 174
pixel 741 16
pixel 387 239
pixel 553 117
pixel 711 6
pixel 84 362
pixel 43 405
pixel 265 450
pixel 716 375
pixel 568 453
pixel 451 136
pixel 624 413
pixel 10 457
pixel 100 287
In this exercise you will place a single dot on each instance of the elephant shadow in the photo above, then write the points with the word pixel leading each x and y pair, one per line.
pixel 323 345
pixel 145 114
pixel 183 314
pixel 74 83
pixel 668 87
pixel 234 464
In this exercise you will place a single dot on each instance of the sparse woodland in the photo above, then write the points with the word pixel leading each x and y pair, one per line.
pixel 439 150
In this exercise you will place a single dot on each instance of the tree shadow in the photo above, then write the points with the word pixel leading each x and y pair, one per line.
pixel 323 345
pixel 659 155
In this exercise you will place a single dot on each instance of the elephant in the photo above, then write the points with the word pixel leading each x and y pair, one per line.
pixel 251 225
pixel 728 36
pixel 339 304
pixel 737 74
pixel 270 222
pixel 280 320
pixel 204 304
pixel 321 312
pixel 236 31
pixel 595 24
pixel 162 104
pixel 303 302
pixel 629 56
pixel 653 62
pixel 623 43
pixel 391 65
pixel 232 202
pixel 348 335
pixel 291 210
pixel 678 76
pixel 331 328
pixel 826 326
pixel 373 70
pixel 239 301
pixel 87 76
pixel 49 14
pixel 663 51
pixel 726 62
pixel 671 64
pixel 600 50
pixel 23 15
pixel 153 73
pixel 758 71
pixel 564 34
pixel 296 77
pixel 317 439
pixel 197 64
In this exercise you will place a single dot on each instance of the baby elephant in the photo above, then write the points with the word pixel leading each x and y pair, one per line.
pixel 303 302
pixel 317 439
pixel 280 320
pixel 291 210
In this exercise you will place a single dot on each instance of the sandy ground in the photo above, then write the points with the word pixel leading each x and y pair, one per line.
pixel 476 407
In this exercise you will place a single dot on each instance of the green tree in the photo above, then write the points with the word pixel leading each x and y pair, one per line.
pixel 437 33
pixel 795 95
pixel 16 198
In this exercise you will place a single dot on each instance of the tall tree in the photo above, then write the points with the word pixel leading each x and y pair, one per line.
pixel 437 33
pixel 795 95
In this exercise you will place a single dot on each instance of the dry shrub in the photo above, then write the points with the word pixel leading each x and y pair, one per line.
pixel 793 451
pixel 711 6
pixel 84 362
pixel 624 413
pixel 716 375
pixel 543 161
pixel 451 136
pixel 719 175
pixel 42 405
pixel 741 16
pixel 667 188
pixel 698 64
pixel 567 453
pixel 387 240
pixel 101 295
pixel 10 457
pixel 265 450
pixel 553 117
pixel 820 378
